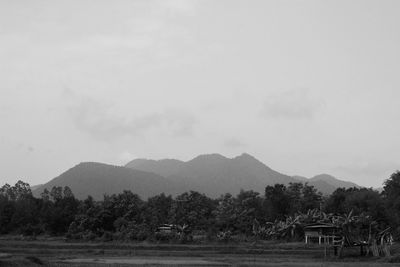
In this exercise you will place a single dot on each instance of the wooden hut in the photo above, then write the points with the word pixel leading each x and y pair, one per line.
pixel 323 232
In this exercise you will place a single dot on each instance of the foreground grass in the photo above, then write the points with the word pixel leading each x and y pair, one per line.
pixel 57 252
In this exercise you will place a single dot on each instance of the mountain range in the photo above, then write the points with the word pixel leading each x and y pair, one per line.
pixel 212 174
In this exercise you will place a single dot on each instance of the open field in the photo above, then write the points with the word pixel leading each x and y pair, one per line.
pixel 61 253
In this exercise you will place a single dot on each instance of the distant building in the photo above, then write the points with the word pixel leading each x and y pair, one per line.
pixel 323 232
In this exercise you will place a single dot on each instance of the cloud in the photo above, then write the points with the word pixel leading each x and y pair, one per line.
pixel 291 104
pixel 179 122
pixel 149 33
pixel 233 143
pixel 182 7
pixel 25 147
pixel 104 122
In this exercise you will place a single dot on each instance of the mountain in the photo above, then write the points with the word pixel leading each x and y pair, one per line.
pixel 34 187
pixel 333 181
pixel 212 174
pixel 323 186
pixel 325 183
pixel 300 178
pixel 164 167
pixel 215 174
pixel 97 179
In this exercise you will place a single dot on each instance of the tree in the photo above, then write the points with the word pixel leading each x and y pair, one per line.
pixel 60 212
pixel 277 202
pixel 156 210
pixel 193 209
pixel 360 200
pixel 56 193
pixel 391 188
pixel 248 209
pixel 7 209
pixel 19 191
pixel 311 199
pixel 391 195
pixel 226 212
pixel 335 202
pixel 45 195
pixel 18 208
pixel 127 205
pixel 294 192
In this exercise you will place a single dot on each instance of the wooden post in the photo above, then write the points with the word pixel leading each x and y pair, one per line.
pixel 385 247
pixel 341 247
pixel 374 248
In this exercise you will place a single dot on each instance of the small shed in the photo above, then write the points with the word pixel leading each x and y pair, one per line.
pixel 324 232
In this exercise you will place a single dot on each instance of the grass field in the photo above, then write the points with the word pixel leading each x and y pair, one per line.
pixel 57 252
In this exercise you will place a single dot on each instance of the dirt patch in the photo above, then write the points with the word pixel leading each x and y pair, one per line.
pixel 58 253
pixel 148 261
pixel 5 255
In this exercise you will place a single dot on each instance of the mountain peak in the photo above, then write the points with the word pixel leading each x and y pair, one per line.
pixel 323 177
pixel 214 156
pixel 246 156
pixel 249 159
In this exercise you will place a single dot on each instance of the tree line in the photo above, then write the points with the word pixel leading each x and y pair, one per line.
pixel 126 216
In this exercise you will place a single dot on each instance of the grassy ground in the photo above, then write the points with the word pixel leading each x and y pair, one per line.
pixel 55 252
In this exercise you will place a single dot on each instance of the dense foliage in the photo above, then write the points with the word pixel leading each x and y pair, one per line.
pixel 192 215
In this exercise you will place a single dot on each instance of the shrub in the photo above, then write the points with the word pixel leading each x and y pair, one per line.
pixel 31 230
pixel 224 236
pixel 89 235
pixel 107 236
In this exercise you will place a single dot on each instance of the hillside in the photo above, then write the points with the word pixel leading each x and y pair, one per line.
pixel 323 186
pixel 215 174
pixel 97 179
pixel 325 183
pixel 211 174
pixel 333 181
pixel 164 167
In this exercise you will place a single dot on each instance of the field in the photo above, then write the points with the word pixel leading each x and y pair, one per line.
pixel 57 252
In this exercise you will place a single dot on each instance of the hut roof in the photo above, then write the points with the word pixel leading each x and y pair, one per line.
pixel 320 226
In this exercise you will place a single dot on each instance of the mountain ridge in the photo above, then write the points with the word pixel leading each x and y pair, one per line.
pixel 255 174
pixel 97 179
pixel 212 174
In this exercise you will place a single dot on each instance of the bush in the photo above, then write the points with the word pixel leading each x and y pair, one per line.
pixel 224 236
pixel 160 236
pixel 76 236
pixel 107 236
pixel 31 230
pixel 394 259
pixel 142 234
pixel 199 236
pixel 119 236
pixel 89 235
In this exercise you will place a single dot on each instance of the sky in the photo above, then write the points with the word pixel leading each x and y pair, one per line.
pixel 307 87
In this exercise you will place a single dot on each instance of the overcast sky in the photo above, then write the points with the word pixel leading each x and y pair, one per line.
pixel 307 87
